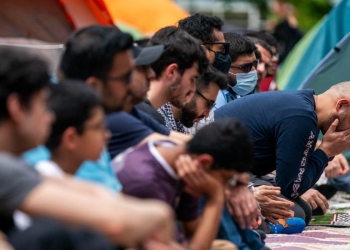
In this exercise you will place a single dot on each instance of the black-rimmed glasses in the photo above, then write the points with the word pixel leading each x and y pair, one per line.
pixel 246 68
pixel 125 78
pixel 225 45
pixel 210 103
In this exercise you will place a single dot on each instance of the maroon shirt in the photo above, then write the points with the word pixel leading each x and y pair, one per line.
pixel 144 173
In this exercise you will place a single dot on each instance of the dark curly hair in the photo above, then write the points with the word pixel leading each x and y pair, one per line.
pixel 179 48
pixel 201 26
pixel 211 75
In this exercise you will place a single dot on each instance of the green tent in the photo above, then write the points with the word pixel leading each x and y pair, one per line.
pixel 334 68
pixel 314 46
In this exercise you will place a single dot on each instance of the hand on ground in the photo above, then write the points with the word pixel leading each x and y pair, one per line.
pixel 242 206
pixel 315 199
pixel 273 207
pixel 338 166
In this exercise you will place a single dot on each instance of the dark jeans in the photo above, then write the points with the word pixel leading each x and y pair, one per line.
pixel 45 234
pixel 301 208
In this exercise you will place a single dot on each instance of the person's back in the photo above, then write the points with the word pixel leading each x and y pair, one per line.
pixel 271 117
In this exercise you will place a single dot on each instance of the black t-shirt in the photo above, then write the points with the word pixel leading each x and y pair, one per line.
pixel 17 180
pixel 147 107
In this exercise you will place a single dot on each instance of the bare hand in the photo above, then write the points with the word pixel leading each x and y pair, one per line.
pixel 338 166
pixel 335 142
pixel 242 206
pixel 315 199
pixel 4 245
pixel 156 245
pixel 198 181
pixel 273 207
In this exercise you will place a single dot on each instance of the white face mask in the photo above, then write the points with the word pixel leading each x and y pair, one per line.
pixel 246 82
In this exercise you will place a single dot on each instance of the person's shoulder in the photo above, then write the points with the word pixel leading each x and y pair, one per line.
pixel 8 159
pixel 139 174
pixel 136 160
pixel 307 93
pixel 13 163
pixel 143 116
pixel 139 163
pixel 49 168
pixel 117 116
pixel 145 106
pixel 122 122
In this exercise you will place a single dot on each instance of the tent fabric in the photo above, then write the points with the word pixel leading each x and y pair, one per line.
pixel 148 16
pixel 334 68
pixel 50 20
pixel 314 46
pixel 40 19
pixel 85 12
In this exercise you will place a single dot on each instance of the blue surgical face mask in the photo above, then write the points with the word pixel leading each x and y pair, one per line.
pixel 222 62
pixel 246 82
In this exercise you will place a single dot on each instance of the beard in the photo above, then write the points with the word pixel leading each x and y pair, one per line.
pixel 341 125
pixel 189 113
pixel 175 93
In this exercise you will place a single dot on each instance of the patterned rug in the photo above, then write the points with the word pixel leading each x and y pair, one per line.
pixel 334 235
pixel 311 239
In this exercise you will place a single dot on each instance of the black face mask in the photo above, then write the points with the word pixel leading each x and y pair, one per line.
pixel 222 62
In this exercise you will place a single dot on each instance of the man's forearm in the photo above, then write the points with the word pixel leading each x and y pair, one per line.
pixel 209 223
pixel 180 136
pixel 295 184
pixel 123 220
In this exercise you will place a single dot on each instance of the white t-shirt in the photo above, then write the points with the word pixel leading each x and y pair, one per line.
pixel 49 168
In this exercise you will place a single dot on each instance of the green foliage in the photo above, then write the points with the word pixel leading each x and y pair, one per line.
pixel 310 12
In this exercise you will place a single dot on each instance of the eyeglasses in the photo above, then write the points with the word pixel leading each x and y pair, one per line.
pixel 246 68
pixel 226 46
pixel 210 103
pixel 98 127
pixel 125 78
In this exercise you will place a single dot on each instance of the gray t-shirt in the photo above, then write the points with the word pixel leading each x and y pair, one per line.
pixel 17 180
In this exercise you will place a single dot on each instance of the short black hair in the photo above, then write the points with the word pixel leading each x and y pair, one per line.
pixel 211 75
pixel 262 43
pixel 180 48
pixel 257 55
pixel 201 26
pixel 23 74
pixel 90 51
pixel 72 102
pixel 239 45
pixel 228 142
pixel 265 36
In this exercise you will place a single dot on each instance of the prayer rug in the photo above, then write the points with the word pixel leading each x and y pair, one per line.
pixel 330 231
